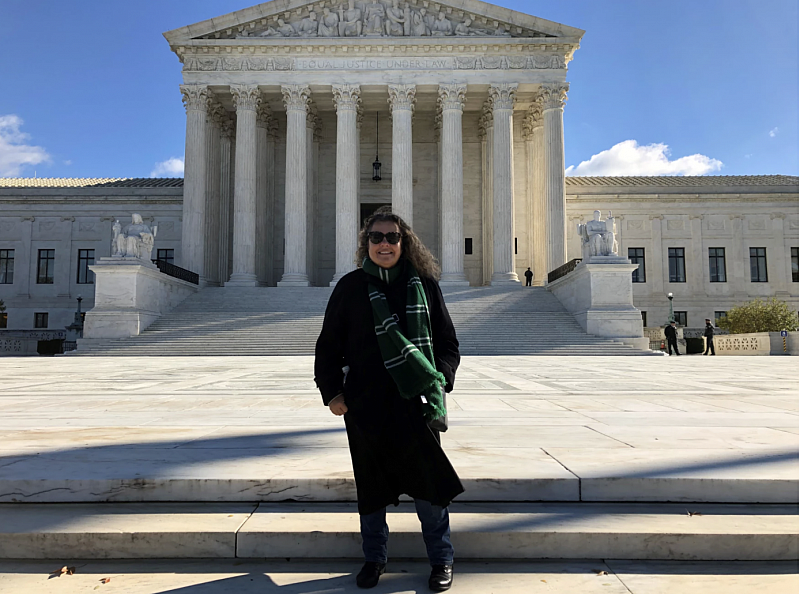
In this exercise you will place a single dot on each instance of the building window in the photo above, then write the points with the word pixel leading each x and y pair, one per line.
pixel 644 318
pixel 44 271
pixel 680 318
pixel 85 259
pixel 167 256
pixel 3 320
pixel 7 267
pixel 677 265
pixel 718 315
pixel 40 320
pixel 636 256
pixel 716 265
pixel 468 246
pixel 758 265
pixel 795 262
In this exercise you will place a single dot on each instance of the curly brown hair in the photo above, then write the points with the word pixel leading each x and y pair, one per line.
pixel 413 249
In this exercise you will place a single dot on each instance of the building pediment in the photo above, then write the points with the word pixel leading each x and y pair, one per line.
pixel 293 21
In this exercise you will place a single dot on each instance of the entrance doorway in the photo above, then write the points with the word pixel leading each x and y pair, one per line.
pixel 368 209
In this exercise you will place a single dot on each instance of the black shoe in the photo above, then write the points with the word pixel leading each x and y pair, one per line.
pixel 441 578
pixel 370 574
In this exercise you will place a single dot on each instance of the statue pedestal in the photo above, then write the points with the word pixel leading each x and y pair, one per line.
pixel 130 294
pixel 600 296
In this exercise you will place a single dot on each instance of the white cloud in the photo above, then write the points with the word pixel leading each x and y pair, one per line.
pixel 68 162
pixel 172 167
pixel 630 158
pixel 773 133
pixel 14 153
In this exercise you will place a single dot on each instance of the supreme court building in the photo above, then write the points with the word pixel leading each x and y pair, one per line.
pixel 289 104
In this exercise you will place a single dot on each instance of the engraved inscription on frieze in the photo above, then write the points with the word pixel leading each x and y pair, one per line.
pixel 256 64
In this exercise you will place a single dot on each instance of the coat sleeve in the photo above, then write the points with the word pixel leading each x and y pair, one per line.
pixel 445 343
pixel 329 351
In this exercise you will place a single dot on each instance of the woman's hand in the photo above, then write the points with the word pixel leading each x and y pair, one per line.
pixel 337 405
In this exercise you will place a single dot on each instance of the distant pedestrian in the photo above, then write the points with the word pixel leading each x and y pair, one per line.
pixel 671 332
pixel 528 277
pixel 709 334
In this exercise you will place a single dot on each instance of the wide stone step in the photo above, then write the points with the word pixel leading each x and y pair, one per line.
pixel 479 531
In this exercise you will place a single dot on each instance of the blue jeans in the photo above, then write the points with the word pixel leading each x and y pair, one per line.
pixel 435 522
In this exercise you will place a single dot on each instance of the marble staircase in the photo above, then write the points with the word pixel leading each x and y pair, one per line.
pixel 286 321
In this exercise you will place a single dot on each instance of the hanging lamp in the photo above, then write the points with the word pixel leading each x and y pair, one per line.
pixel 376 165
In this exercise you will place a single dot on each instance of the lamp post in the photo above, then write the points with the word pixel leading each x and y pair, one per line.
pixel 376 165
pixel 671 313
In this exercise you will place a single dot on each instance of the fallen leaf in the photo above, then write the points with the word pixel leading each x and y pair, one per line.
pixel 62 571
pixel 105 580
pixel 691 513
pixel 601 572
pixel 543 581
pixel 70 570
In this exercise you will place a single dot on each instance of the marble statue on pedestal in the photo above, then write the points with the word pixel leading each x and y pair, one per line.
pixel 134 241
pixel 598 238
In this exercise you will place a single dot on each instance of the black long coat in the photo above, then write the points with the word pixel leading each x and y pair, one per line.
pixel 394 452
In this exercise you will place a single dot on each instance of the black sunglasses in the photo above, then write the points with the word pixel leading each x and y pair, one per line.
pixel 392 237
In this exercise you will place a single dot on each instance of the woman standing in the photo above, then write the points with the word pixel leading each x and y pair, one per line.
pixel 386 354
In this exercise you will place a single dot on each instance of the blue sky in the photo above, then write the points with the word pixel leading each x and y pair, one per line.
pixel 90 88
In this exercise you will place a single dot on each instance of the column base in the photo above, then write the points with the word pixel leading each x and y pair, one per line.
pixel 505 278
pixel 336 278
pixel 294 279
pixel 453 280
pixel 242 280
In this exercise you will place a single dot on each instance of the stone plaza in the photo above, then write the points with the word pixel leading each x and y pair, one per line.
pixel 562 458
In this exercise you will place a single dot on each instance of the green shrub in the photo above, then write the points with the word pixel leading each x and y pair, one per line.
pixel 759 316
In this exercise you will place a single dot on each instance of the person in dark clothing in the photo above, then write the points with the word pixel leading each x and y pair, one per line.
pixel 671 333
pixel 709 334
pixel 385 356
pixel 528 277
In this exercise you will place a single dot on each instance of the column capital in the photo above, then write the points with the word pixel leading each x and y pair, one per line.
pixel 437 126
pixel 777 215
pixel 228 127
pixel 486 120
pixel 532 121
pixel 359 117
pixel 296 97
pixel 195 97
pixel 264 117
pixel 246 97
pixel 660 217
pixel 346 97
pixel 402 97
pixel 503 95
pixel 554 95
pixel 452 96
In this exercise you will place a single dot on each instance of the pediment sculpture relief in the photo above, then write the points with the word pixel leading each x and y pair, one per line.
pixel 377 18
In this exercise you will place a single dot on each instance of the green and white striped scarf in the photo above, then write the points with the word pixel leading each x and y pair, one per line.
pixel 409 359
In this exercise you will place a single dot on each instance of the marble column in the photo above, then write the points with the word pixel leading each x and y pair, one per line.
pixel 296 98
pixel 346 99
pixel 213 131
pixel 486 133
pixel 554 96
pixel 195 99
pixel 502 97
pixel 539 203
pixel 246 99
pixel 313 130
pixel 226 150
pixel 264 171
pixel 451 101
pixel 401 100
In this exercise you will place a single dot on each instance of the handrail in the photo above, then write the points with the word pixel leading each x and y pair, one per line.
pixel 563 270
pixel 177 272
